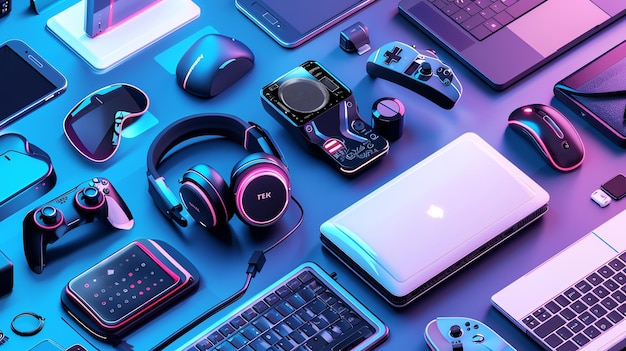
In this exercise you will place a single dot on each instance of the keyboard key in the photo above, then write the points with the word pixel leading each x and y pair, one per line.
pixel 553 340
pixel 564 333
pixel 619 296
pixel 272 299
pixel 549 326
pixel 617 264
pixel 590 299
pixel 553 307
pixel 620 278
pixel 603 324
pixel 567 346
pixel 609 303
pixel 583 286
pixel 597 311
pixel 204 345
pixel 578 307
pixel 562 300
pixel 580 339
pixel 614 316
pixel 606 271
pixel 610 285
pixel 227 329
pixel 572 294
pixel 575 326
pixel 591 332
pixel 587 318
pixel 260 307
pixel 595 279
pixel 567 314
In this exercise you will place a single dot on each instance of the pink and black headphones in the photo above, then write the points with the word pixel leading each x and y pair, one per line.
pixel 259 189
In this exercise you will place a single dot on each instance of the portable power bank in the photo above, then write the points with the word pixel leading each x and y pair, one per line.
pixel 433 219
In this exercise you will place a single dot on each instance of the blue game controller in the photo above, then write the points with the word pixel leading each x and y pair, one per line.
pixel 424 74
pixel 463 334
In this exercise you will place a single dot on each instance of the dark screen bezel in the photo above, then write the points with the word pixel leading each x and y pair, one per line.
pixel 287 35
pixel 46 70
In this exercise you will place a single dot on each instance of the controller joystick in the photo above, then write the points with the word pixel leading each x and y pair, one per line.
pixel 90 201
pixel 424 74
pixel 462 334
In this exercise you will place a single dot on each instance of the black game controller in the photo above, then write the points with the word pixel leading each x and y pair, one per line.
pixel 318 109
pixel 90 201
pixel 424 74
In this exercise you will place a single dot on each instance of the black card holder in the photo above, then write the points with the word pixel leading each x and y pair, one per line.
pixel 597 93
pixel 123 291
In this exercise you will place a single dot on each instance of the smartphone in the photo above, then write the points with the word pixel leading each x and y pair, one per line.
pixel 615 187
pixel 27 81
pixel 293 22
pixel 102 15
pixel 125 289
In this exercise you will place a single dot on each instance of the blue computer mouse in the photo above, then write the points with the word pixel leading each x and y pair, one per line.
pixel 212 64
pixel 552 133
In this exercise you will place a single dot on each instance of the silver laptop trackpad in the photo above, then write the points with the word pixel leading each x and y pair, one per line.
pixel 533 27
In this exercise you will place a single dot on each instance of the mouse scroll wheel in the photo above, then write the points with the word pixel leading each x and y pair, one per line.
pixel 555 128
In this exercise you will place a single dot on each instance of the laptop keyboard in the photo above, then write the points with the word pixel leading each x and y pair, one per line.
pixel 585 310
pixel 481 18
pixel 301 313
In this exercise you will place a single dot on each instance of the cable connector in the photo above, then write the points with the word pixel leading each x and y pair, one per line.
pixel 256 262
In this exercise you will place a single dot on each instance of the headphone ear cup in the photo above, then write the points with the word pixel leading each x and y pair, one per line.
pixel 261 187
pixel 206 196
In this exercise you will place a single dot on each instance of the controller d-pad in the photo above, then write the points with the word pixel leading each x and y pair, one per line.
pixel 393 55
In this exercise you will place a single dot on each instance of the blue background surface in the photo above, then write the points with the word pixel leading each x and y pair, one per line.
pixel 222 259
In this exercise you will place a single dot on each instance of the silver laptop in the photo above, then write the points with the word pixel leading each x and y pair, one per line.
pixel 503 41
pixel 574 300
pixel 433 219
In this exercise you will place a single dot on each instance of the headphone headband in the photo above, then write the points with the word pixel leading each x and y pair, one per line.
pixel 247 134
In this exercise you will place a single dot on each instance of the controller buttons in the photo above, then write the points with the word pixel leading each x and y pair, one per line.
pixel 426 69
pixel 333 146
pixel 50 216
pixel 393 55
pixel 478 338
pixel 358 125
pixel 456 331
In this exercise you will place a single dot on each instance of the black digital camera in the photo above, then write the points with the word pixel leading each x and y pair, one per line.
pixel 321 111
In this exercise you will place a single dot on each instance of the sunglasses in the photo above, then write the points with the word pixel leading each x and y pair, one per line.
pixel 94 125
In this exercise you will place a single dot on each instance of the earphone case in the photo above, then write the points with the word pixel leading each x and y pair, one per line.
pixel 123 291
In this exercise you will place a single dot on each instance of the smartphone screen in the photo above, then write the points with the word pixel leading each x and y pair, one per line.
pixel 616 187
pixel 291 23
pixel 26 80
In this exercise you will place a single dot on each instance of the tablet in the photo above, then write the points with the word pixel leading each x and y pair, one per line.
pixel 27 81
pixel 291 23
pixel 597 93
